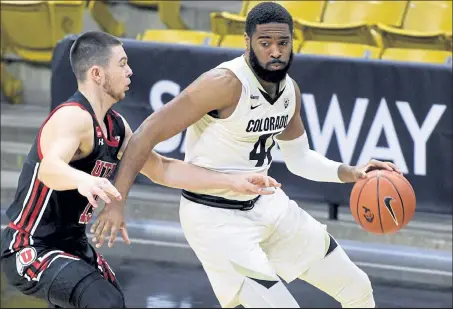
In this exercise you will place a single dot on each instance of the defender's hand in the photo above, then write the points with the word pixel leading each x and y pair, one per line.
pixel 109 221
pixel 97 186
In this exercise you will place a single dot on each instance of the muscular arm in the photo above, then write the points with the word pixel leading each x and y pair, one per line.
pixel 60 138
pixel 214 90
pixel 176 173
pixel 303 161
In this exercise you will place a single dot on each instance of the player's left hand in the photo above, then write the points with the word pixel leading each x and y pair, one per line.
pixel 110 220
pixel 355 173
pixel 253 184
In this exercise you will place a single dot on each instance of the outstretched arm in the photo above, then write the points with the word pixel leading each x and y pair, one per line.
pixel 182 175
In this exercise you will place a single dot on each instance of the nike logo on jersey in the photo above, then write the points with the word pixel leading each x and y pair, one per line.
pixel 253 107
pixel 267 124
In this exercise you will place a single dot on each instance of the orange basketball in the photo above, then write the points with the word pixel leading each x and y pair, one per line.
pixel 383 203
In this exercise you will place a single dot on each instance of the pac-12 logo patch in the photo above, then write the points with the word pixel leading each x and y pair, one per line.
pixel 24 258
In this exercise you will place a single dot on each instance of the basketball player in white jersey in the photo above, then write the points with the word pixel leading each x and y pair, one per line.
pixel 236 113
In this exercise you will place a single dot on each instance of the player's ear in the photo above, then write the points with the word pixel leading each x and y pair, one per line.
pixel 247 41
pixel 95 73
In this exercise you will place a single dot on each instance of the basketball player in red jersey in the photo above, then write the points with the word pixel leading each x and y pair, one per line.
pixel 45 251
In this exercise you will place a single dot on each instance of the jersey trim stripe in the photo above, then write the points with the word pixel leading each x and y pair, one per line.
pixel 37 208
pixel 28 194
pixel 112 142
pixel 47 119
pixel 21 235
pixel 29 220
pixel 18 234
pixel 31 214
pixel 30 203
pixel 43 209
pixel 13 241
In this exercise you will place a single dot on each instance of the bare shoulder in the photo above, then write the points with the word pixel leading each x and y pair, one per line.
pixel 216 88
pixel 225 75
pixel 296 86
pixel 298 96
pixel 71 118
pixel 70 129
pixel 225 82
pixel 222 78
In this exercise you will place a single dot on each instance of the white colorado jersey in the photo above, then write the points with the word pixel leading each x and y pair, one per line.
pixel 243 141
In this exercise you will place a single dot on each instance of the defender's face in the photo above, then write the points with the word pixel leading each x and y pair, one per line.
pixel 117 74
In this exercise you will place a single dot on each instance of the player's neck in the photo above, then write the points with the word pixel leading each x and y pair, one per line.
pixel 271 88
pixel 99 100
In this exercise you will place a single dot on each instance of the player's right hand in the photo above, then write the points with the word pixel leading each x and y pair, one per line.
pixel 101 187
pixel 110 221
pixel 253 184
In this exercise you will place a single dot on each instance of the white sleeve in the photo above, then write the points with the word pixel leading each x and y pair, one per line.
pixel 306 163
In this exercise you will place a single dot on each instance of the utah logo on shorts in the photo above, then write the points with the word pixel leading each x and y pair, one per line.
pixel 24 258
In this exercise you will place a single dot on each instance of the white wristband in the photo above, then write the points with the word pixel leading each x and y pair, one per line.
pixel 306 163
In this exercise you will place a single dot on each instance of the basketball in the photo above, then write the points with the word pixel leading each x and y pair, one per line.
pixel 383 203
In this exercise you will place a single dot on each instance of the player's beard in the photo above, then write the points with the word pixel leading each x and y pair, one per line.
pixel 109 90
pixel 272 76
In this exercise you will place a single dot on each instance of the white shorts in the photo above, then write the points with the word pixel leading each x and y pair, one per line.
pixel 276 237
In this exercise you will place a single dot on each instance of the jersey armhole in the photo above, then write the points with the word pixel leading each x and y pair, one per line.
pixel 119 117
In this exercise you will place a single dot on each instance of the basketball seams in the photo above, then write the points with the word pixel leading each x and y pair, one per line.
pixel 378 176
pixel 358 200
pixel 407 181
pixel 399 195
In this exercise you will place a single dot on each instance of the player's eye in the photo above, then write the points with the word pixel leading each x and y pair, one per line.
pixel 123 62
pixel 265 44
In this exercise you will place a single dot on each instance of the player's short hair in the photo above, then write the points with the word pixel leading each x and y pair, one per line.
pixel 266 13
pixel 91 48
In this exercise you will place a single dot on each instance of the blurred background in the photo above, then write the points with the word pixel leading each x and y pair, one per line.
pixel 375 78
